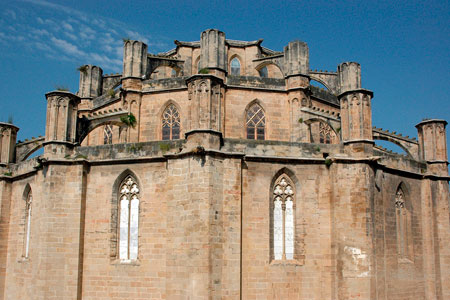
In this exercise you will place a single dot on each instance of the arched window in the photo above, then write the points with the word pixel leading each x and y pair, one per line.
pixel 26 242
pixel 325 132
pixel 235 67
pixel 171 123
pixel 403 224
pixel 283 218
pixel 173 73
pixel 128 219
pixel 107 135
pixel 255 123
pixel 263 72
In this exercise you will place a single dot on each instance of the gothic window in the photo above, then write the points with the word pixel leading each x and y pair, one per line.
pixel 403 222
pixel 26 243
pixel 255 123
pixel 128 219
pixel 325 133
pixel 283 218
pixel 107 135
pixel 173 73
pixel 171 123
pixel 235 67
pixel 263 72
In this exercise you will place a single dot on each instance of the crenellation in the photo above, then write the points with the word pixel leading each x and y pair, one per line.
pixel 217 170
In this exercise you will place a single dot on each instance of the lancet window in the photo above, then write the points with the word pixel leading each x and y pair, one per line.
pixel 107 134
pixel 283 218
pixel 128 219
pixel 235 67
pixel 171 123
pixel 263 72
pixel 27 235
pixel 256 123
pixel 403 222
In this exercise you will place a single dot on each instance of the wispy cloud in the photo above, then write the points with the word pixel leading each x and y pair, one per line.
pixel 67 34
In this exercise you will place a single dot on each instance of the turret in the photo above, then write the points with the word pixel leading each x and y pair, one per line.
pixel 349 76
pixel 433 145
pixel 61 125
pixel 213 54
pixel 134 59
pixel 8 136
pixel 90 81
pixel 296 58
pixel 356 111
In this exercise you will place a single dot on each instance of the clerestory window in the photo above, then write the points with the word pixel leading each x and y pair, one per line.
pixel 107 135
pixel 255 123
pixel 171 123
pixel 235 67
pixel 128 219
pixel 283 218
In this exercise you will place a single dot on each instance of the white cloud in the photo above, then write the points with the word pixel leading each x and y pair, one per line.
pixel 67 26
pixel 67 47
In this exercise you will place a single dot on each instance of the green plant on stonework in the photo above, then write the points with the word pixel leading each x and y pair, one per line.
pixel 328 162
pixel 111 93
pixel 126 39
pixel 7 174
pixel 83 69
pixel 317 149
pixel 129 120
pixel 61 88
pixel 203 71
pixel 300 120
pixel 338 130
pixel 164 147
pixel 10 119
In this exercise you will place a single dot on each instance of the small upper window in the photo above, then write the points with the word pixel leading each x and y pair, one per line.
pixel 235 67
pixel 171 123
pixel 107 134
pixel 263 72
pixel 173 73
pixel 256 123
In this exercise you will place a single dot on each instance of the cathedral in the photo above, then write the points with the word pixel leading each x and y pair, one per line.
pixel 219 170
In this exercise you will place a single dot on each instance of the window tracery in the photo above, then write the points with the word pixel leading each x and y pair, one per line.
pixel 129 219
pixel 283 219
pixel 325 133
pixel 107 135
pixel 171 123
pixel 256 123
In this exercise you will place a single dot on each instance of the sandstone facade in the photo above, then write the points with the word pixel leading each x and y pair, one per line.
pixel 217 171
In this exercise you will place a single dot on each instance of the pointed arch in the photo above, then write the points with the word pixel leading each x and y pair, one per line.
pixel 283 194
pixel 255 121
pixel 170 121
pixel 126 196
pixel 323 133
pixel 235 66
pixel 28 199
pixel 273 69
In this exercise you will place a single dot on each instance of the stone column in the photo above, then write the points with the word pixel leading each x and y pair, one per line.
pixel 91 79
pixel 5 205
pixel 61 124
pixel 134 72
pixel 296 69
pixel 8 137
pixel 356 110
pixel 435 208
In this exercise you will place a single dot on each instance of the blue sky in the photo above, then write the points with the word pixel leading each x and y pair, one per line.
pixel 402 46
